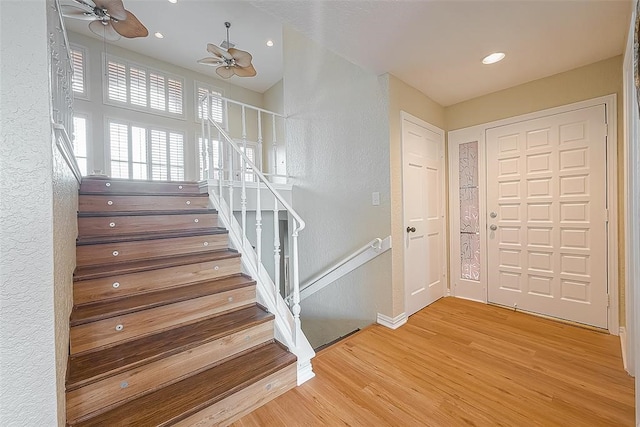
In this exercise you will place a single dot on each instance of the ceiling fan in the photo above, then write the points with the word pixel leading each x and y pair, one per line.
pixel 231 61
pixel 109 18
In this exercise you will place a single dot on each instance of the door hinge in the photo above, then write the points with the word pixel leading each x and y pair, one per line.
pixel 608 300
pixel 606 215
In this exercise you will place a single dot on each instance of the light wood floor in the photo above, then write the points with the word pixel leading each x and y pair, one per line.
pixel 462 363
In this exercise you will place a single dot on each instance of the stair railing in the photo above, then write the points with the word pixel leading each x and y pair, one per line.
pixel 223 195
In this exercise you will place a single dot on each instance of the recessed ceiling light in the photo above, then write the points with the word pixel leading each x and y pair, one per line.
pixel 269 43
pixel 173 1
pixel 493 58
pixel 159 35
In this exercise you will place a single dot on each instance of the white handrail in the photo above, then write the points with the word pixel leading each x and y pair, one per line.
pixel 359 257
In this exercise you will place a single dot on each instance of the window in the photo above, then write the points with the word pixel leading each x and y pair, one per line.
pixel 80 142
pixel 142 88
pixel 145 153
pixel 208 159
pixel 78 84
pixel 214 105
pixel 251 154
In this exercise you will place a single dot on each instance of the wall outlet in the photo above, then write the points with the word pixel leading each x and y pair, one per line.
pixel 375 198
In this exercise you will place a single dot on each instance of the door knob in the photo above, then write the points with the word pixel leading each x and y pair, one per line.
pixel 411 229
pixel 493 227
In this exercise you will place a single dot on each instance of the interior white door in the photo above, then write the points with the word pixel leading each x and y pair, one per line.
pixel 546 202
pixel 423 204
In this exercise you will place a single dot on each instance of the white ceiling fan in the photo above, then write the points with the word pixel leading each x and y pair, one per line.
pixel 109 18
pixel 229 62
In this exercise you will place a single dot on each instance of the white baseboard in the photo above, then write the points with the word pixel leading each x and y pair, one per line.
pixel 305 372
pixel 392 322
pixel 623 345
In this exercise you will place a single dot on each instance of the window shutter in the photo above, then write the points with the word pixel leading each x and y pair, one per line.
pixel 202 92
pixel 119 148
pixel 216 108
pixel 157 92
pixel 139 152
pixel 176 156
pixel 77 62
pixel 117 81
pixel 175 96
pixel 80 143
pixel 138 86
pixel 158 142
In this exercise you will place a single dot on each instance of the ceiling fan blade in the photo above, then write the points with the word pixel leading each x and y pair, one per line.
pixel 130 27
pixel 114 8
pixel 104 30
pixel 245 71
pixel 242 58
pixel 225 72
pixel 210 61
pixel 69 11
pixel 216 51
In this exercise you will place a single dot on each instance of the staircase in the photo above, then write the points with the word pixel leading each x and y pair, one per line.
pixel 165 329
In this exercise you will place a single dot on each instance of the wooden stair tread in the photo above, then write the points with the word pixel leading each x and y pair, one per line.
pixel 183 398
pixel 147 213
pixel 106 185
pixel 95 311
pixel 117 238
pixel 93 272
pixel 87 368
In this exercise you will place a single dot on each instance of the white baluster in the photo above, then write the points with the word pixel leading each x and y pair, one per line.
pixel 276 250
pixel 203 136
pixel 258 227
pixel 275 144
pixel 207 140
pixel 296 283
pixel 258 159
pixel 220 157
pixel 243 169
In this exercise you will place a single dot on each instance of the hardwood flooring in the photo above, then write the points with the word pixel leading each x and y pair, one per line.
pixel 460 363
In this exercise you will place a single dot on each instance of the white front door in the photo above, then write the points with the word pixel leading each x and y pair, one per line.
pixel 423 204
pixel 546 203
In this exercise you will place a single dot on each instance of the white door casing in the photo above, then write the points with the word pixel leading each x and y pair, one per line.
pixel 546 184
pixel 423 210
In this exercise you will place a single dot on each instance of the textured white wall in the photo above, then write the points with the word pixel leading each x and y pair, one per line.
pixel 38 195
pixel 27 344
pixel 338 154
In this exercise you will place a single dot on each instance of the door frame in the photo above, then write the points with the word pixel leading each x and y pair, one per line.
pixel 478 133
pixel 404 116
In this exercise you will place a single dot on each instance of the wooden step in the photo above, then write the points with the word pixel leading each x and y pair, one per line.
pixel 215 396
pixel 119 223
pixel 93 272
pixel 119 203
pixel 104 185
pixel 120 285
pixel 94 326
pixel 101 379
pixel 107 249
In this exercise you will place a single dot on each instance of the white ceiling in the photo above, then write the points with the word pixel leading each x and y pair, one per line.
pixel 435 46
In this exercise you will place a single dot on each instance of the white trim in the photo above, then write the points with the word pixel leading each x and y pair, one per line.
pixel 85 96
pixel 404 116
pixel 65 146
pixel 392 322
pixel 305 371
pixel 623 346
pixel 609 102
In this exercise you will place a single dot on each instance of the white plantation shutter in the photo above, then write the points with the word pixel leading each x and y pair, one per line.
pixel 216 108
pixel 139 152
pixel 119 150
pixel 202 92
pixel 77 62
pixel 214 105
pixel 175 96
pixel 176 156
pixel 204 163
pixel 80 142
pixel 157 92
pixel 117 81
pixel 251 154
pixel 158 141
pixel 138 86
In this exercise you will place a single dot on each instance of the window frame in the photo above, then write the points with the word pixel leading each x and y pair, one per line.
pixel 199 84
pixel 89 148
pixel 148 71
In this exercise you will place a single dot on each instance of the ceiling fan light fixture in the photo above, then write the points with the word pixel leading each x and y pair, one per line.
pixel 173 1
pixel 493 58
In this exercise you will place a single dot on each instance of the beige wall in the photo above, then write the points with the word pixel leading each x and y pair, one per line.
pixel 591 81
pixel 403 97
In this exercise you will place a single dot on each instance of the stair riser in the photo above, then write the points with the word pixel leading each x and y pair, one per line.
pixel 92 336
pixel 87 203
pixel 119 225
pixel 122 285
pixel 108 186
pixel 147 249
pixel 243 401
pixel 104 393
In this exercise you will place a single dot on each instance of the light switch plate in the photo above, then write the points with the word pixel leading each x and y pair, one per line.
pixel 375 198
